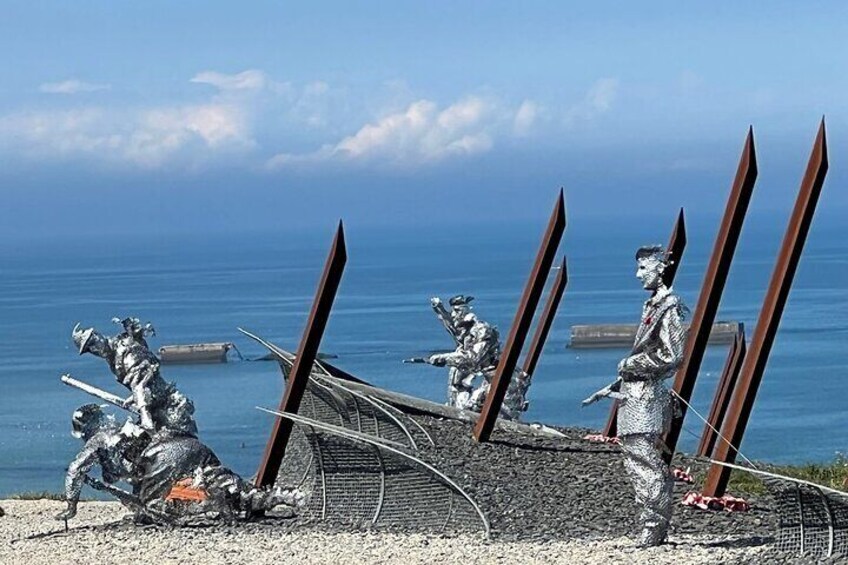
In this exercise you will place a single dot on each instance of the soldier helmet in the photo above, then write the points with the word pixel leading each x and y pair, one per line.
pixel 90 340
pixel 87 419
pixel 460 300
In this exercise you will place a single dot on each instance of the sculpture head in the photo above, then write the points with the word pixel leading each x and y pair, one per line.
pixel 460 305
pixel 89 340
pixel 651 262
pixel 88 420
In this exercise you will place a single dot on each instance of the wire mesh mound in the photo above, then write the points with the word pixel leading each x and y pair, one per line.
pixel 353 481
pixel 813 520
pixel 332 403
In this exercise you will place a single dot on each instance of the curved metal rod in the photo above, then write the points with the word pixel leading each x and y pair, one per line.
pixel 371 401
pixel 355 436
pixel 408 417
pixel 829 511
pixel 382 485
pixel 782 477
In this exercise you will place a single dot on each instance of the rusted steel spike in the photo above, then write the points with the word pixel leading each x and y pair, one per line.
pixel 724 391
pixel 540 336
pixel 306 353
pixel 674 252
pixel 712 288
pixel 770 314
pixel 521 323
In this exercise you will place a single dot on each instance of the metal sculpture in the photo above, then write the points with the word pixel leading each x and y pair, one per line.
pixel 726 385
pixel 547 320
pixel 159 404
pixel 521 323
pixel 355 477
pixel 306 353
pixel 676 247
pixel 712 288
pixel 175 478
pixel 645 403
pixel 775 300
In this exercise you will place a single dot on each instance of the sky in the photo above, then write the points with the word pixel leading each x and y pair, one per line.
pixel 205 116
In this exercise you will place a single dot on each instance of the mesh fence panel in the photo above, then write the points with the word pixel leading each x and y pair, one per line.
pixel 354 482
pixel 812 521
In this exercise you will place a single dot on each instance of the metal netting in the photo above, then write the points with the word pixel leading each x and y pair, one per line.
pixel 330 402
pixel 813 520
pixel 351 480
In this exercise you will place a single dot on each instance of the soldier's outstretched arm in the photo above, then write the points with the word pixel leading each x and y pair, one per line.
pixel 77 471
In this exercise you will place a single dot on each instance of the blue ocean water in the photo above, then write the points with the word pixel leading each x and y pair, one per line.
pixel 200 288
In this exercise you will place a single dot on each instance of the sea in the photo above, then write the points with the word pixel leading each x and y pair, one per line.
pixel 201 287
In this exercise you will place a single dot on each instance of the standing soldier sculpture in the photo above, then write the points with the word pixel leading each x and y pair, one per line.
pixel 645 403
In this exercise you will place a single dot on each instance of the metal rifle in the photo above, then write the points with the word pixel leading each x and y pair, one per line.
pixel 609 391
pixel 417 360
pixel 115 400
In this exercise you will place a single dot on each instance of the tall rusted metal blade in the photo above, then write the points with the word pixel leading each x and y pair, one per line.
pixel 674 253
pixel 306 353
pixel 546 321
pixel 713 285
pixel 724 392
pixel 770 314
pixel 521 323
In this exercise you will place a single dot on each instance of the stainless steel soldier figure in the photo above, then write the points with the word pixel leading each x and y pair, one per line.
pixel 645 410
pixel 160 406
pixel 475 357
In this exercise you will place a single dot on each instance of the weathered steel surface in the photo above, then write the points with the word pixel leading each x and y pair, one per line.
pixel 770 314
pixel 674 253
pixel 306 352
pixel 713 285
pixel 546 321
pixel 724 391
pixel 521 323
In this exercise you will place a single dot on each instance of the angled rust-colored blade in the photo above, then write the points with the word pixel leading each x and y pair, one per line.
pixel 712 288
pixel 306 353
pixel 770 314
pixel 724 391
pixel 540 336
pixel 521 323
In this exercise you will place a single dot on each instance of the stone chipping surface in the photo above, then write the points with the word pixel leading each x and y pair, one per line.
pixel 30 535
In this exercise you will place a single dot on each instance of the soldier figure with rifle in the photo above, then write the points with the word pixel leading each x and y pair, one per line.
pixel 646 404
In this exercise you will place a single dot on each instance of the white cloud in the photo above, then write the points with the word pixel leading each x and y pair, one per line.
pixel 251 79
pixel 525 118
pixel 72 86
pixel 598 100
pixel 146 138
pixel 422 133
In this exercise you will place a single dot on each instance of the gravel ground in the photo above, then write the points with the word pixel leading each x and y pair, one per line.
pixel 29 534
pixel 552 489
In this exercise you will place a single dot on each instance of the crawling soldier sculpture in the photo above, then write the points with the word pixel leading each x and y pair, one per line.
pixel 645 409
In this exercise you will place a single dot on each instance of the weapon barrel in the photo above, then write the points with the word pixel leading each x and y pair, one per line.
pixel 94 391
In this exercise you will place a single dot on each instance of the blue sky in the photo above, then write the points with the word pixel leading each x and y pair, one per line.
pixel 211 116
